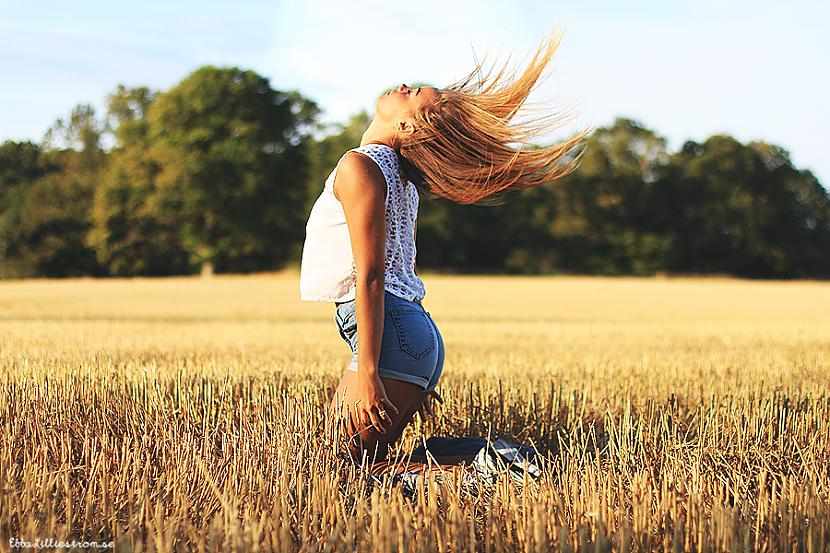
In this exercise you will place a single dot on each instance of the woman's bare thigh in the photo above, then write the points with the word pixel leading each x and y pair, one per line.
pixel 406 396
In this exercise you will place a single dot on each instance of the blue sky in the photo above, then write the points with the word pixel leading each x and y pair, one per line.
pixel 756 70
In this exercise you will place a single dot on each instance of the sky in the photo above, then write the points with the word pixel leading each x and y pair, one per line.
pixel 754 70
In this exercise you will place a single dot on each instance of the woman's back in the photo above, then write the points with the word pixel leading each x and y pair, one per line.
pixel 327 270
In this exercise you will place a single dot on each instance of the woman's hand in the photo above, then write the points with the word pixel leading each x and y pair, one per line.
pixel 371 407
pixel 426 408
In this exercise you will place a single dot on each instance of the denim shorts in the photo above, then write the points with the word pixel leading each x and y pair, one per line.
pixel 411 349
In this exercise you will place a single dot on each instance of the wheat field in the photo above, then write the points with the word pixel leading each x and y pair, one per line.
pixel 186 414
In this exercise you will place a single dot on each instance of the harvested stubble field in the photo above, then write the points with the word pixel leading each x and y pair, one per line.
pixel 187 415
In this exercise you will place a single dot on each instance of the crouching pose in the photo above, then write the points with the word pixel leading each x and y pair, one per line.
pixel 458 142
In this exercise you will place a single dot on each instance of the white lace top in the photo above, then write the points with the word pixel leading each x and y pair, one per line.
pixel 327 269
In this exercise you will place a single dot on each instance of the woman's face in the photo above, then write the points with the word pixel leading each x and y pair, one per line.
pixel 400 104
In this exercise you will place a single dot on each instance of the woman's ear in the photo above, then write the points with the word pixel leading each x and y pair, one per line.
pixel 405 127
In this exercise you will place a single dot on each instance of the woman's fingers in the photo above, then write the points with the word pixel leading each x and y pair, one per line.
pixel 385 416
pixel 383 399
pixel 378 416
pixel 390 405
pixel 352 423
pixel 381 422
pixel 425 409
pixel 363 419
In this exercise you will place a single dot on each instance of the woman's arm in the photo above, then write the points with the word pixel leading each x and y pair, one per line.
pixel 361 188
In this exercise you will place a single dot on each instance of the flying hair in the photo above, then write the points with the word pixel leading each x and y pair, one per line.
pixel 470 147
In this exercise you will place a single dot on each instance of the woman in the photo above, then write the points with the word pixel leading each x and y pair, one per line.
pixel 359 250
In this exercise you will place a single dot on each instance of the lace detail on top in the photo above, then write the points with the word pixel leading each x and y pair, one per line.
pixel 328 271
pixel 401 213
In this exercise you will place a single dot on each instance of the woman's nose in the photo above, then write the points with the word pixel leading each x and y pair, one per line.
pixel 402 88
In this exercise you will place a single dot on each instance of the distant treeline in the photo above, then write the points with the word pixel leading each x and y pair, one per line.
pixel 220 173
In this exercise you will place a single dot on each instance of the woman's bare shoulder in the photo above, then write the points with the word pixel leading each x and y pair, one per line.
pixel 357 173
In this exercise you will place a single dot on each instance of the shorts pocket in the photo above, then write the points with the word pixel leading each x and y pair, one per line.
pixel 415 333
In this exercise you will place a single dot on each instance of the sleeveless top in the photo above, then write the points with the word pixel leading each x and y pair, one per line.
pixel 327 268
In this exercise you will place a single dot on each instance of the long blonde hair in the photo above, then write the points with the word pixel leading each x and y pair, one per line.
pixel 460 148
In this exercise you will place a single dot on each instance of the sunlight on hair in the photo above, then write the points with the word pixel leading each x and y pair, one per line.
pixel 468 148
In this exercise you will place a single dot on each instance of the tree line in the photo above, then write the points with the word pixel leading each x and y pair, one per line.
pixel 219 173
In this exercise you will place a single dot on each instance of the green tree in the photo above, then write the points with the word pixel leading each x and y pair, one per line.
pixel 602 222
pixel 509 237
pixel 54 210
pixel 743 210
pixel 21 164
pixel 129 235
pixel 233 167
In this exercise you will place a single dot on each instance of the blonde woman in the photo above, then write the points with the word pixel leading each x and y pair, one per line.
pixel 458 142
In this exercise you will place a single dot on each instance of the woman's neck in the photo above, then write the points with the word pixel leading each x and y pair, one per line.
pixel 377 133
